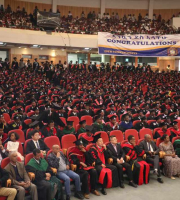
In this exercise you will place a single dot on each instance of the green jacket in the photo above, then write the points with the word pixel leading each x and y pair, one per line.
pixel 67 131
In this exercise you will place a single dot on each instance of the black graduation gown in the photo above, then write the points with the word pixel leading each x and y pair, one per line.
pixel 75 157
pixel 139 167
pixel 86 112
pixel 141 125
pixel 100 156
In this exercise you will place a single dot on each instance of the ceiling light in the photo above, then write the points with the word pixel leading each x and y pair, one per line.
pixel 86 48
pixel 25 48
pixel 35 45
pixel 1 43
pixel 41 48
pixel 19 47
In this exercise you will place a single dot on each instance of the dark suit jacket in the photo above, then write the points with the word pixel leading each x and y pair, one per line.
pixel 143 146
pixel 31 146
pixel 113 154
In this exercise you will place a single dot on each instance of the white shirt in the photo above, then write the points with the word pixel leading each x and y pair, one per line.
pixel 150 147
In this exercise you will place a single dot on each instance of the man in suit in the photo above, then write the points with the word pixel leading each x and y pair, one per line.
pixel 20 179
pixel 152 151
pixel 10 193
pixel 118 156
pixel 36 142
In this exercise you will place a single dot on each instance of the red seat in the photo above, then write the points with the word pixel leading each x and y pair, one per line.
pixel 88 118
pixel 25 145
pixel 131 132
pixel 104 136
pixel 178 120
pixel 67 141
pixel 145 131
pixel 6 117
pixel 175 138
pixel 135 122
pixel 20 133
pixel 63 120
pixel 28 158
pixel 27 107
pixel 154 131
pixel 75 120
pixel 28 121
pixel 77 127
pixel 79 136
pixel 6 161
pixel 89 146
pixel 20 149
pixel 150 121
pixel 124 141
pixel 119 135
pixel 158 142
pixel 30 113
pixel 52 140
pixel 140 140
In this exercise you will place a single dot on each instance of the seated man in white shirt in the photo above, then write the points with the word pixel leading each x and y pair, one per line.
pixel 36 142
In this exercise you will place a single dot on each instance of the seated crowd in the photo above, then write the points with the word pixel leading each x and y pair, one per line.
pixel 90 24
pixel 105 112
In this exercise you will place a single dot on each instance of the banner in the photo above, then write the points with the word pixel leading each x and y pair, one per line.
pixel 48 19
pixel 139 45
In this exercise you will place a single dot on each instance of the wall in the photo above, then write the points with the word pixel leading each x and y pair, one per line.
pixel 164 62
pixel 176 22
pixel 29 6
pixel 42 38
pixel 1 2
pixel 80 3
pixel 54 55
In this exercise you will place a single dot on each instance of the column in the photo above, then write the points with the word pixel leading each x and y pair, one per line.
pixel 150 9
pixel 136 61
pixel 112 60
pixel 89 59
pixel 54 6
pixel 102 6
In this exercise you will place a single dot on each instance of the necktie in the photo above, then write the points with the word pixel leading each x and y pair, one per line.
pixel 37 144
pixel 149 146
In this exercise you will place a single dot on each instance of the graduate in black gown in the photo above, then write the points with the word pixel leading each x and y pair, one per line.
pixel 108 174
pixel 140 168
pixel 80 157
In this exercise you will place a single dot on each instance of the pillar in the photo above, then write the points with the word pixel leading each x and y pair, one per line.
pixel 136 61
pixel 89 58
pixel 102 6
pixel 54 6
pixel 150 9
pixel 112 60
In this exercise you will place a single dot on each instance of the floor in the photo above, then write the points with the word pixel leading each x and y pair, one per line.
pixel 170 189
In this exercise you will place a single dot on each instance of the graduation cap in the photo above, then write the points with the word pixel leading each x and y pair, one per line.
pixel 36 108
pixel 174 123
pixel 96 117
pixel 96 137
pixel 16 117
pixel 74 106
pixel 69 123
pixel 143 118
pixel 34 124
pixel 111 105
pixel 78 142
pixel 163 124
pixel 112 117
pixel 87 103
pixel 88 128
pixel 56 106
pixel 19 109
pixel 158 117
pixel 82 122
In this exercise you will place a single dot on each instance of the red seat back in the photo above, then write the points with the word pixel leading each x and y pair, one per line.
pixel 6 161
pixel 28 158
pixel 150 121
pixel 67 141
pixel 145 131
pixel 20 133
pixel 104 136
pixel 27 107
pixel 28 121
pixel 175 138
pixel 119 135
pixel 25 145
pixel 63 120
pixel 140 140
pixel 158 142
pixel 75 120
pixel 131 132
pixel 89 146
pixel 52 140
pixel 6 117
pixel 135 122
pixel 88 118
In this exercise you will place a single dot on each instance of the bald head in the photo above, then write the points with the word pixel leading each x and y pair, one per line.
pixel 147 137
pixel 13 157
pixel 55 149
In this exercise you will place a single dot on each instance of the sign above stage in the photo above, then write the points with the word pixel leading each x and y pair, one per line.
pixel 139 45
